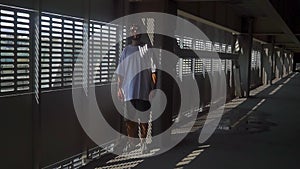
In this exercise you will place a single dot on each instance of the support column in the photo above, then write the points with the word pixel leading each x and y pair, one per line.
pixel 36 86
pixel 267 63
pixel 234 67
pixel 272 52
pixel 163 80
pixel 86 66
pixel 285 63
pixel 291 62
pixel 246 42
pixel 281 65
pixel 277 63
pixel 168 44
pixel 294 63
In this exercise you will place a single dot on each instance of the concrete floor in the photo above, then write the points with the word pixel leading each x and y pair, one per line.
pixel 264 134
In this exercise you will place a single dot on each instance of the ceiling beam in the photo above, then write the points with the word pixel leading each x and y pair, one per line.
pixel 277 19
pixel 284 43
pixel 204 21
pixel 203 0
pixel 268 33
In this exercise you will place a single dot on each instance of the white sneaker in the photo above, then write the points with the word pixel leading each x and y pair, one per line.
pixel 128 147
pixel 144 148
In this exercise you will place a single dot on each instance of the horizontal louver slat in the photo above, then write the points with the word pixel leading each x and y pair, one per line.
pixel 14 51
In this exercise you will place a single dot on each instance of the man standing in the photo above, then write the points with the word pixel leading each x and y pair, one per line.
pixel 135 85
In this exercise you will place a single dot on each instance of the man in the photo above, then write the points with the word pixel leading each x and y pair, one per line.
pixel 135 85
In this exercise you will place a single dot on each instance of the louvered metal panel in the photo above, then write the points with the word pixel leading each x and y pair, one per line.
pixel 61 46
pixel 15 63
pixel 198 66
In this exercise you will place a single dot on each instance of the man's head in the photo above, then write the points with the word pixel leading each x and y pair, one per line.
pixel 135 32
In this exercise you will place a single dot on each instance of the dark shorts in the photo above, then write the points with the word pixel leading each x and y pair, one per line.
pixel 131 108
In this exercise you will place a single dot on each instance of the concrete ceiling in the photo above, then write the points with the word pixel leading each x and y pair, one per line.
pixel 271 19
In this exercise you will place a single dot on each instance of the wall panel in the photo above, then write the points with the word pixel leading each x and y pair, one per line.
pixel 17 131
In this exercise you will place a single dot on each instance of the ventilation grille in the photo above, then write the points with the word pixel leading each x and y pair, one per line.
pixel 63 50
pixel 199 45
pixel 207 65
pixel 61 45
pixel 223 62
pixel 14 51
pixel 186 66
pixel 228 65
pixel 255 59
pixel 198 65
pixel 103 51
pixel 215 65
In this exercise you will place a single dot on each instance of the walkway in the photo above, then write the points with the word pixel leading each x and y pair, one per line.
pixel 262 132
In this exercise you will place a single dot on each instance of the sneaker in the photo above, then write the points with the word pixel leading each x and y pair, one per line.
pixel 128 147
pixel 144 148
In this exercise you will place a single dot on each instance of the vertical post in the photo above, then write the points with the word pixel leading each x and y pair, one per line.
pixel 236 68
pixel 261 65
pixel 180 68
pixel 193 68
pixel 267 61
pixel 250 31
pixel 168 44
pixel 36 85
pixel 86 62
pixel 272 60
pixel 245 57
pixel 281 62
pixel 294 62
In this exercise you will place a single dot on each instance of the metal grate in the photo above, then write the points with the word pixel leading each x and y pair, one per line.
pixel 14 51
pixel 198 66
pixel 186 66
pixel 208 46
pixel 228 65
pixel 223 62
pixel 199 45
pixel 150 26
pixel 103 51
pixel 208 65
pixel 216 47
pixel 179 42
pixel 61 44
pixel 255 59
pixel 68 46
pixel 216 65
pixel 229 49
pixel 187 43
pixel 223 48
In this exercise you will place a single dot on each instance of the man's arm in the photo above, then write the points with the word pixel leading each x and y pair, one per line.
pixel 154 79
pixel 120 92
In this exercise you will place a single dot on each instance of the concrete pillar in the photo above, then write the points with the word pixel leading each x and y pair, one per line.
pixel 285 63
pixel 236 78
pixel 273 55
pixel 267 63
pixel 163 82
pixel 277 63
pixel 291 62
pixel 281 63
pixel 246 42
pixel 245 63
pixel 36 103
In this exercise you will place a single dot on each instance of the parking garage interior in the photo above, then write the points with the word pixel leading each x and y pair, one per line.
pixel 249 50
